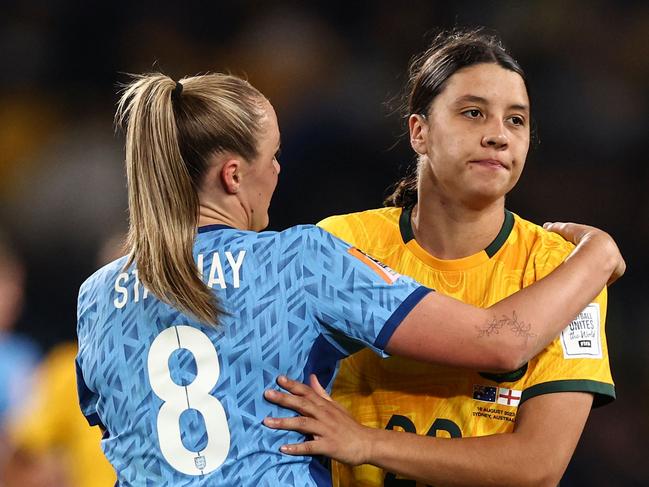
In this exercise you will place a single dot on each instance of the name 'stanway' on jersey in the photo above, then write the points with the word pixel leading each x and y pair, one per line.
pixel 215 277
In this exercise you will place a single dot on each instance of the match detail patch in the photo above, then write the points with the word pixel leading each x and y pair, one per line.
pixel 581 338
pixel 382 270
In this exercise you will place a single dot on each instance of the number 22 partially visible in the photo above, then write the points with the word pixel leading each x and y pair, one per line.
pixel 195 395
pixel 440 424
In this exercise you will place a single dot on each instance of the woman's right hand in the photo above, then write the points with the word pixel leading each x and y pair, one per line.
pixel 335 433
pixel 585 235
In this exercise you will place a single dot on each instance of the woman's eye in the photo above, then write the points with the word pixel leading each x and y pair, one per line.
pixel 516 120
pixel 472 113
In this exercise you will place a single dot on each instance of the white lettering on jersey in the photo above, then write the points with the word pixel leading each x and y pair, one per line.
pixel 121 300
pixel 581 338
pixel 199 264
pixel 123 291
pixel 236 266
pixel 216 272
pixel 216 277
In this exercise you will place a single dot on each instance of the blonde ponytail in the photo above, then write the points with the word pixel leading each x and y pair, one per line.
pixel 168 142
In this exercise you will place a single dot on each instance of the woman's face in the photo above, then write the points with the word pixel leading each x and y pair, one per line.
pixel 260 176
pixel 475 137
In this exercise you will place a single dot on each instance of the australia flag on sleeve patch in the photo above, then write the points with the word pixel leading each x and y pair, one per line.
pixel 484 393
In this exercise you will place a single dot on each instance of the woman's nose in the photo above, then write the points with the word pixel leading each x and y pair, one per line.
pixel 496 140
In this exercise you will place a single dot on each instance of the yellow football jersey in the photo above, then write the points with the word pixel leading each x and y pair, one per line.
pixel 53 423
pixel 401 394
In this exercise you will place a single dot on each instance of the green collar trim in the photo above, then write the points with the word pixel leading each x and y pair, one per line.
pixel 500 239
pixel 405 225
pixel 407 234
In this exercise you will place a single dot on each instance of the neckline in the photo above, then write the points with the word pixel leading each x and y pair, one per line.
pixel 215 226
pixel 408 237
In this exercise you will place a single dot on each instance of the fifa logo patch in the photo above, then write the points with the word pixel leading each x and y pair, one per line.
pixel 581 338
pixel 382 270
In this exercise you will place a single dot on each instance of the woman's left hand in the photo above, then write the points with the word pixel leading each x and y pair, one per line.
pixel 335 433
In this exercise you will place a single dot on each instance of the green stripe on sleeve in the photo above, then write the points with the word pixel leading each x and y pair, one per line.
pixel 604 393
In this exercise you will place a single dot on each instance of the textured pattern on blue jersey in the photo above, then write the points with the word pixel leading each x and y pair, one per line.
pixel 182 402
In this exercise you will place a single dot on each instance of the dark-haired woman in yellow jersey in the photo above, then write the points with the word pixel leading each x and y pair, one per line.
pixel 447 226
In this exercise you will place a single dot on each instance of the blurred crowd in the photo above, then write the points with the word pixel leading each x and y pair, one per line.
pixel 334 71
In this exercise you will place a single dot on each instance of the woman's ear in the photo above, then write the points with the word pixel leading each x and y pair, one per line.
pixel 418 127
pixel 231 175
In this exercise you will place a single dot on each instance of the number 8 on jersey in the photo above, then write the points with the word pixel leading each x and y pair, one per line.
pixel 196 395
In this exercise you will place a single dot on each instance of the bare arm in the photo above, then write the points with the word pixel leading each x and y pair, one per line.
pixel 506 335
pixel 536 454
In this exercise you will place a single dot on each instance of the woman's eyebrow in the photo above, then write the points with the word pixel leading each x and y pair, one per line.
pixel 484 101
pixel 471 99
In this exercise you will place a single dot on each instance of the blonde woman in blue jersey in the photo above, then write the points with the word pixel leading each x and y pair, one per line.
pixel 178 340
pixel 446 225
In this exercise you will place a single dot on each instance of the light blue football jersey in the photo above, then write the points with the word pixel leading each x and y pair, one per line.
pixel 181 402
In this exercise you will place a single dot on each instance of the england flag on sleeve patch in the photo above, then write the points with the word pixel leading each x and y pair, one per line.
pixel 509 397
pixel 581 338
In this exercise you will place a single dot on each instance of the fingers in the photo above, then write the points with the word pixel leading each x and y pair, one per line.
pixel 317 387
pixel 310 402
pixel 557 227
pixel 333 431
pixel 302 398
pixel 306 448
pixel 560 226
pixel 577 233
pixel 295 387
pixel 300 424
pixel 290 401
pixel 314 394
pixel 573 232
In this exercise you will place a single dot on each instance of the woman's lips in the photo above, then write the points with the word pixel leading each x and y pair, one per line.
pixel 490 163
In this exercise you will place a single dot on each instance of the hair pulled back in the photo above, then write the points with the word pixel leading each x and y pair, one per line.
pixel 450 51
pixel 171 132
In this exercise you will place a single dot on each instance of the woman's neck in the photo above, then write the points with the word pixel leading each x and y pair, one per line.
pixel 213 215
pixel 450 230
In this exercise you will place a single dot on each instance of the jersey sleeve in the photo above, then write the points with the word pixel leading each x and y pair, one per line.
pixel 357 301
pixel 577 360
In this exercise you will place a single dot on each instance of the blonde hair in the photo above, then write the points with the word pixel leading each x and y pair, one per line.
pixel 171 131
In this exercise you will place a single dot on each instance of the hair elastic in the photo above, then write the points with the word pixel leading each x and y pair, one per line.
pixel 177 91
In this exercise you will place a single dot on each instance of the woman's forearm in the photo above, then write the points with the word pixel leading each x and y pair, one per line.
pixel 506 335
pixel 459 462
pixel 552 302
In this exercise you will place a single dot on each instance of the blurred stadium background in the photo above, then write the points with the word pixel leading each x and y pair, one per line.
pixel 329 68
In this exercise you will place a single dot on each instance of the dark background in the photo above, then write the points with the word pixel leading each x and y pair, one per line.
pixel 329 70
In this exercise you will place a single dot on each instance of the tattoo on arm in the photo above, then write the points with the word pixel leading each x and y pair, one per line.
pixel 518 328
